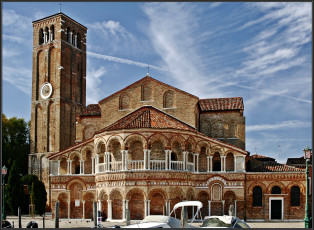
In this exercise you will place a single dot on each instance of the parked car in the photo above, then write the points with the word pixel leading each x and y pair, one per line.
pixel 223 222
pixel 160 221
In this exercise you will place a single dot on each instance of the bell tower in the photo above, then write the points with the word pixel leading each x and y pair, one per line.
pixel 58 87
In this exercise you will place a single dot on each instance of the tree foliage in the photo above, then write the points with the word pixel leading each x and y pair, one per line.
pixel 37 193
pixel 15 143
pixel 14 192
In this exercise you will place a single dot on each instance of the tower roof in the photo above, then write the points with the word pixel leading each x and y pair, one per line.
pixel 58 14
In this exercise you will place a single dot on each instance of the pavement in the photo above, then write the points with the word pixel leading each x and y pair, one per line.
pixel 88 223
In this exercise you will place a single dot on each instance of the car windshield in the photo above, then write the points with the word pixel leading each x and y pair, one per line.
pixel 215 222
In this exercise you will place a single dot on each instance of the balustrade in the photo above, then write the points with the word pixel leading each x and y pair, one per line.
pixel 115 166
pixel 136 165
pixel 176 165
pixel 157 164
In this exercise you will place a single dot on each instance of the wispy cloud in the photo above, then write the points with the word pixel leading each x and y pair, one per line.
pixel 92 84
pixel 173 31
pixel 21 78
pixel 125 61
pixel 280 125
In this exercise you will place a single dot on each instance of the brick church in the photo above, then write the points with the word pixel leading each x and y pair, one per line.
pixel 145 147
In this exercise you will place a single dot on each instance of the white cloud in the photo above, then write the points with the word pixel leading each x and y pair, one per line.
pixel 21 78
pixel 15 22
pixel 281 125
pixel 92 84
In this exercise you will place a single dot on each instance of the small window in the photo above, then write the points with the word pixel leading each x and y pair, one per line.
pixel 41 36
pixel 295 196
pixel 78 42
pixel 52 33
pixel 124 102
pixel 257 196
pixel 146 91
pixel 276 190
pixel 169 99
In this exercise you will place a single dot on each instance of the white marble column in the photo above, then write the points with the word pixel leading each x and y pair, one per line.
pixel 148 158
pixel 50 36
pixel 71 36
pixel 99 205
pixel 221 164
pixel 209 208
pixel 109 210
pixel 211 163
pixel 148 207
pixel 45 37
pixel 207 163
pixel 97 164
pixel 69 209
pixel 83 166
pixel 75 40
pixel 224 157
pixel 235 163
pixel 223 207
pixel 83 209
pixel 70 167
pixel 168 207
pixel 58 167
pixel 235 208
pixel 184 160
pixel 123 210
pixel 93 165
pixel 194 162
pixel 126 159
pixel 197 165
pixel 127 204
pixel 166 159
pixel 145 159
pixel 145 208
pixel 123 162
pixel 243 166
pixel 170 160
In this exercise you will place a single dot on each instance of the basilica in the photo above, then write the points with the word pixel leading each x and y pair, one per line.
pixel 145 147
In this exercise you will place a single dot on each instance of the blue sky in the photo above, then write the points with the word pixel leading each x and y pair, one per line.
pixel 258 51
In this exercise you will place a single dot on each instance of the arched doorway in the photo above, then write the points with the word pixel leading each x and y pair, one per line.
pixel 157 203
pixel 229 200
pixel 117 205
pixel 136 206
pixel 63 205
pixel 203 197
pixel 76 201
pixel 89 199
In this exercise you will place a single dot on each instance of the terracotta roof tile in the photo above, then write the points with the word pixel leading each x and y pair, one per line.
pixel 262 158
pixel 214 104
pixel 276 167
pixel 148 117
pixel 91 110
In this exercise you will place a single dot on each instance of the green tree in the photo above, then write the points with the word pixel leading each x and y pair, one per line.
pixel 37 193
pixel 39 196
pixel 14 190
pixel 15 143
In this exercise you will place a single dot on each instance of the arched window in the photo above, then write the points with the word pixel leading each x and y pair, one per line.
pixel 68 35
pixel 295 196
pixel 73 38
pixel 78 41
pixel 257 196
pixel 233 129
pixel 276 190
pixel 124 102
pixel 216 162
pixel 146 91
pixel 41 36
pixel 46 35
pixel 220 129
pixel 52 33
pixel 169 99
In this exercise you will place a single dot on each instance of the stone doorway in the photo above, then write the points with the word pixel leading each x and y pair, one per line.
pixel 276 208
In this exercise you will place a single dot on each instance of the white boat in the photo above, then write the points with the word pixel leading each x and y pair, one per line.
pixel 161 221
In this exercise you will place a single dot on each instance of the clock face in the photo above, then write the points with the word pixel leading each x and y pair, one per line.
pixel 46 90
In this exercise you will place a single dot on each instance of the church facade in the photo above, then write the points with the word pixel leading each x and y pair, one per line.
pixel 145 147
